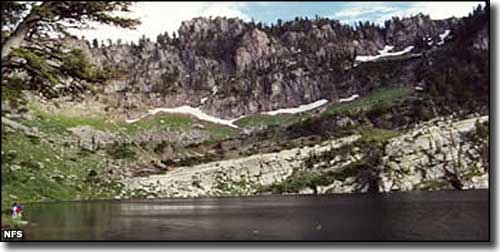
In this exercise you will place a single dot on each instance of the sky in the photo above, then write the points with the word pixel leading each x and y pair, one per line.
pixel 158 17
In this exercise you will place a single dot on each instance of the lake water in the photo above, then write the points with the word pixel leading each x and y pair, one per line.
pixel 447 215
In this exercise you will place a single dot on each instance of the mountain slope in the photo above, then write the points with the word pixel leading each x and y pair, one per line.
pixel 230 68
pixel 173 107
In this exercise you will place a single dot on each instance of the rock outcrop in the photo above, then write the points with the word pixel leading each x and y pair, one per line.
pixel 435 153
pixel 212 179
pixel 425 158
pixel 231 68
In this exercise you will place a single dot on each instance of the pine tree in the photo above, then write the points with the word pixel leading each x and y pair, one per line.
pixel 33 35
pixel 95 43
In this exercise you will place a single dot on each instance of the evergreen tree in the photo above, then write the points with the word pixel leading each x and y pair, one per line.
pixel 279 22
pixel 33 35
pixel 95 43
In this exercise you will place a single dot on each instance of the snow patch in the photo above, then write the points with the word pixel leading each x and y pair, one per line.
pixel 203 100
pixel 386 52
pixel 428 40
pixel 349 99
pixel 386 49
pixel 196 112
pixel 299 109
pixel 215 89
pixel 134 120
pixel 237 119
pixel 199 114
pixel 442 36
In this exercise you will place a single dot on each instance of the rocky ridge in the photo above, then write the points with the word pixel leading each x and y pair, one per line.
pixel 229 68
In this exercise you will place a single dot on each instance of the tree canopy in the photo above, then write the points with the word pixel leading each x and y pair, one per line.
pixel 35 52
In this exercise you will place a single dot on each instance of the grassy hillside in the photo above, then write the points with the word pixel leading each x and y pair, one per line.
pixel 381 97
pixel 49 165
pixel 41 169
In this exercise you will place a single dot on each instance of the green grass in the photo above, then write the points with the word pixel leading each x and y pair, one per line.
pixel 381 98
pixel 172 121
pixel 36 170
pixel 45 168
pixel 378 98
pixel 60 124
pixel 220 132
pixel 267 120
pixel 57 123
pixel 377 134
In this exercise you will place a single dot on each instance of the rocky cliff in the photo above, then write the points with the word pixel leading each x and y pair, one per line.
pixel 231 68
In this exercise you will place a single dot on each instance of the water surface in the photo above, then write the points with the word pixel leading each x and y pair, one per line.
pixel 447 215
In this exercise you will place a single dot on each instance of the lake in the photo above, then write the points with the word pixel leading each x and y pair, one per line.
pixel 445 215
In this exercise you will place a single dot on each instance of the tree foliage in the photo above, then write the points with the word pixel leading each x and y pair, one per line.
pixel 37 47
pixel 457 76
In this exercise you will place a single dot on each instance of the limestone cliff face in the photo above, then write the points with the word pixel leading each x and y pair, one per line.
pixel 230 68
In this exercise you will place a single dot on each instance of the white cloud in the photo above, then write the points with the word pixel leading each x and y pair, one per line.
pixel 378 12
pixel 436 10
pixel 158 17
pixel 442 10
pixel 358 11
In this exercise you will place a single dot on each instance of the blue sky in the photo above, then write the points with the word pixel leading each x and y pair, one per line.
pixel 158 17
pixel 288 10
pixel 349 12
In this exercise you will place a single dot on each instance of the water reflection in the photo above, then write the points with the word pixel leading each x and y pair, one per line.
pixel 397 216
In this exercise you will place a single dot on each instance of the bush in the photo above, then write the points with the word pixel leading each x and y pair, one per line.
pixel 121 151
